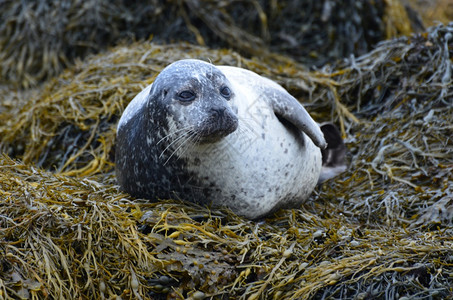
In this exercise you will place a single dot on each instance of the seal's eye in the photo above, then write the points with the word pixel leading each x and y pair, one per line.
pixel 225 91
pixel 186 96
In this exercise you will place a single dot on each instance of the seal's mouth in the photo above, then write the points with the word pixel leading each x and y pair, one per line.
pixel 215 129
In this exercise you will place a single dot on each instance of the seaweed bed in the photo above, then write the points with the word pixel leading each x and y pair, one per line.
pixel 382 230
pixel 38 39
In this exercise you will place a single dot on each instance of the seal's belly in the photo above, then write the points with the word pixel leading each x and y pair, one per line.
pixel 258 169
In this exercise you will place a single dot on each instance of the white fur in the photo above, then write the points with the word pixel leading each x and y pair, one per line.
pixel 258 174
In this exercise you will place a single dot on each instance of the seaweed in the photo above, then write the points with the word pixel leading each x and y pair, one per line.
pixel 66 238
pixel 40 39
pixel 433 12
pixel 383 229
pixel 401 153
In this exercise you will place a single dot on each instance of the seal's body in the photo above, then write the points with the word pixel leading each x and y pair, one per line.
pixel 218 135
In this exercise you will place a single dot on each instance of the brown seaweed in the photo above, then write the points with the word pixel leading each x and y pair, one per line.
pixel 66 238
pixel 38 40
pixel 401 153
pixel 383 229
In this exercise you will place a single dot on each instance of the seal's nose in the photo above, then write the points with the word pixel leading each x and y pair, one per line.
pixel 219 112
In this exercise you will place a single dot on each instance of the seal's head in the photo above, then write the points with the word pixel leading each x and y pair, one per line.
pixel 192 98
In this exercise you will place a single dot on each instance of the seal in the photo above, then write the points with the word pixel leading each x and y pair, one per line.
pixel 219 135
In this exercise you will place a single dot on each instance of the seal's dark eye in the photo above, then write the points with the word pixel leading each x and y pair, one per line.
pixel 225 91
pixel 186 96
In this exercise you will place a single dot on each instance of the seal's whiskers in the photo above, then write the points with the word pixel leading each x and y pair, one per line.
pixel 186 132
pixel 172 133
pixel 184 138
pixel 190 142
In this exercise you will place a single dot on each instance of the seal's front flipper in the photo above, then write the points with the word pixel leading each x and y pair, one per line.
pixel 333 157
pixel 288 108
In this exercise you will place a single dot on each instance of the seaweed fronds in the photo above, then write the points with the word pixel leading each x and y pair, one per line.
pixel 40 39
pixel 401 156
pixel 66 238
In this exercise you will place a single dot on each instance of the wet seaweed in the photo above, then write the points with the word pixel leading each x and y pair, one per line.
pixel 401 153
pixel 40 39
pixel 311 32
pixel 381 230
pixel 68 238
pixel 79 238
pixel 433 12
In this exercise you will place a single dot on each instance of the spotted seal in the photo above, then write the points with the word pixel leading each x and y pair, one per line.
pixel 219 135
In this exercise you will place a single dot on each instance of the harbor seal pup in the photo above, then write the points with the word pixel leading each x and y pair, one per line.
pixel 218 135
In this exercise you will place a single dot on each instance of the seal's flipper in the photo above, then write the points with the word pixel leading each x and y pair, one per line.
pixel 333 157
pixel 288 108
